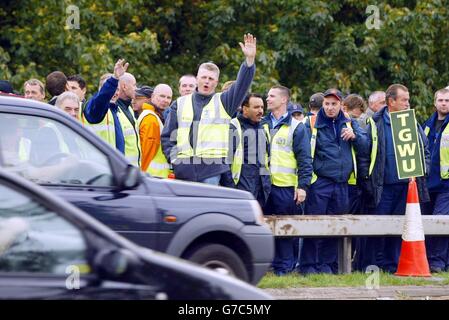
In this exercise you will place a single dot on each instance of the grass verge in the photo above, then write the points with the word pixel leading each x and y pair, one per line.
pixel 355 279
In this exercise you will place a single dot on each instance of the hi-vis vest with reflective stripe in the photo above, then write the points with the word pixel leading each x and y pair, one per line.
pixel 283 165
pixel 374 145
pixel 213 129
pixel 62 145
pixel 24 149
pixel 353 177
pixel 159 166
pixel 236 167
pixel 444 151
pixel 106 130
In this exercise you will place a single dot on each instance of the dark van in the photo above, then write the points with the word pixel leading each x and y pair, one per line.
pixel 220 228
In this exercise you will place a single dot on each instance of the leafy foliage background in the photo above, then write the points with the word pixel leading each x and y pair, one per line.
pixel 303 44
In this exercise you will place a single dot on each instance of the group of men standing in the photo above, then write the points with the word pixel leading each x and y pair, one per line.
pixel 290 166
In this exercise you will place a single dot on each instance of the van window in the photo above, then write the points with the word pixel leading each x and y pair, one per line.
pixel 48 152
pixel 35 239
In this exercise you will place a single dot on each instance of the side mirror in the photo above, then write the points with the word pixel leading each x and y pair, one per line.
pixel 114 263
pixel 131 178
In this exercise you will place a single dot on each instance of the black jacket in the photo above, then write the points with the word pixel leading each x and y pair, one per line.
pixel 52 101
pixel 373 185
pixel 254 176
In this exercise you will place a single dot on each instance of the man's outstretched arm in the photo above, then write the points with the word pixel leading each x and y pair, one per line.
pixel 98 105
pixel 234 97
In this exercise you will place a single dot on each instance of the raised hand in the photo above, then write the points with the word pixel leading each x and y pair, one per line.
pixel 120 68
pixel 249 48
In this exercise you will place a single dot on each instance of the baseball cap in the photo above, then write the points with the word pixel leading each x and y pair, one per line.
pixel 295 107
pixel 334 92
pixel 316 100
pixel 6 87
pixel 144 91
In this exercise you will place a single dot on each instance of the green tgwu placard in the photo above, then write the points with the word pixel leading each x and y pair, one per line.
pixel 406 144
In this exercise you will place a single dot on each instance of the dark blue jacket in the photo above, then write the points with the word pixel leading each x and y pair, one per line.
pixel 434 181
pixel 373 185
pixel 333 155
pixel 195 169
pixel 301 149
pixel 255 148
pixel 124 107
pixel 98 106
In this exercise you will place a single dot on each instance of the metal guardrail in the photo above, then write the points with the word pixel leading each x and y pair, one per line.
pixel 347 226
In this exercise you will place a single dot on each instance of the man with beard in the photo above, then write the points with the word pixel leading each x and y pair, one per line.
pixel 249 165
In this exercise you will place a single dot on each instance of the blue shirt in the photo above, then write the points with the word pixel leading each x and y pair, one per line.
pixel 275 121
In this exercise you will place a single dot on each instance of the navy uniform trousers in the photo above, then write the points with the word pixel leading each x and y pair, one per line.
pixel 384 252
pixel 437 247
pixel 280 202
pixel 320 255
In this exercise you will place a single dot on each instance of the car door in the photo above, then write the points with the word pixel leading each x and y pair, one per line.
pixel 54 151
pixel 44 256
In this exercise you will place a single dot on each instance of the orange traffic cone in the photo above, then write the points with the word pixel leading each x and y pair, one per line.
pixel 413 259
pixel 171 175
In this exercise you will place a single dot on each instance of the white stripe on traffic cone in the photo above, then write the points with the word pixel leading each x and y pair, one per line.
pixel 413 258
pixel 413 228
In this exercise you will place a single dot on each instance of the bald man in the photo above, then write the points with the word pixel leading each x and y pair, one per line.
pixel 162 96
pixel 150 122
pixel 113 121
pixel 126 91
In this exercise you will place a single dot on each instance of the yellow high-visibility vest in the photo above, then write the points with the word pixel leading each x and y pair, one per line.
pixel 283 165
pixel 374 147
pixel 106 130
pixel 213 129
pixel 444 151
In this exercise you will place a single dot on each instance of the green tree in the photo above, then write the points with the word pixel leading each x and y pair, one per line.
pixel 306 45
